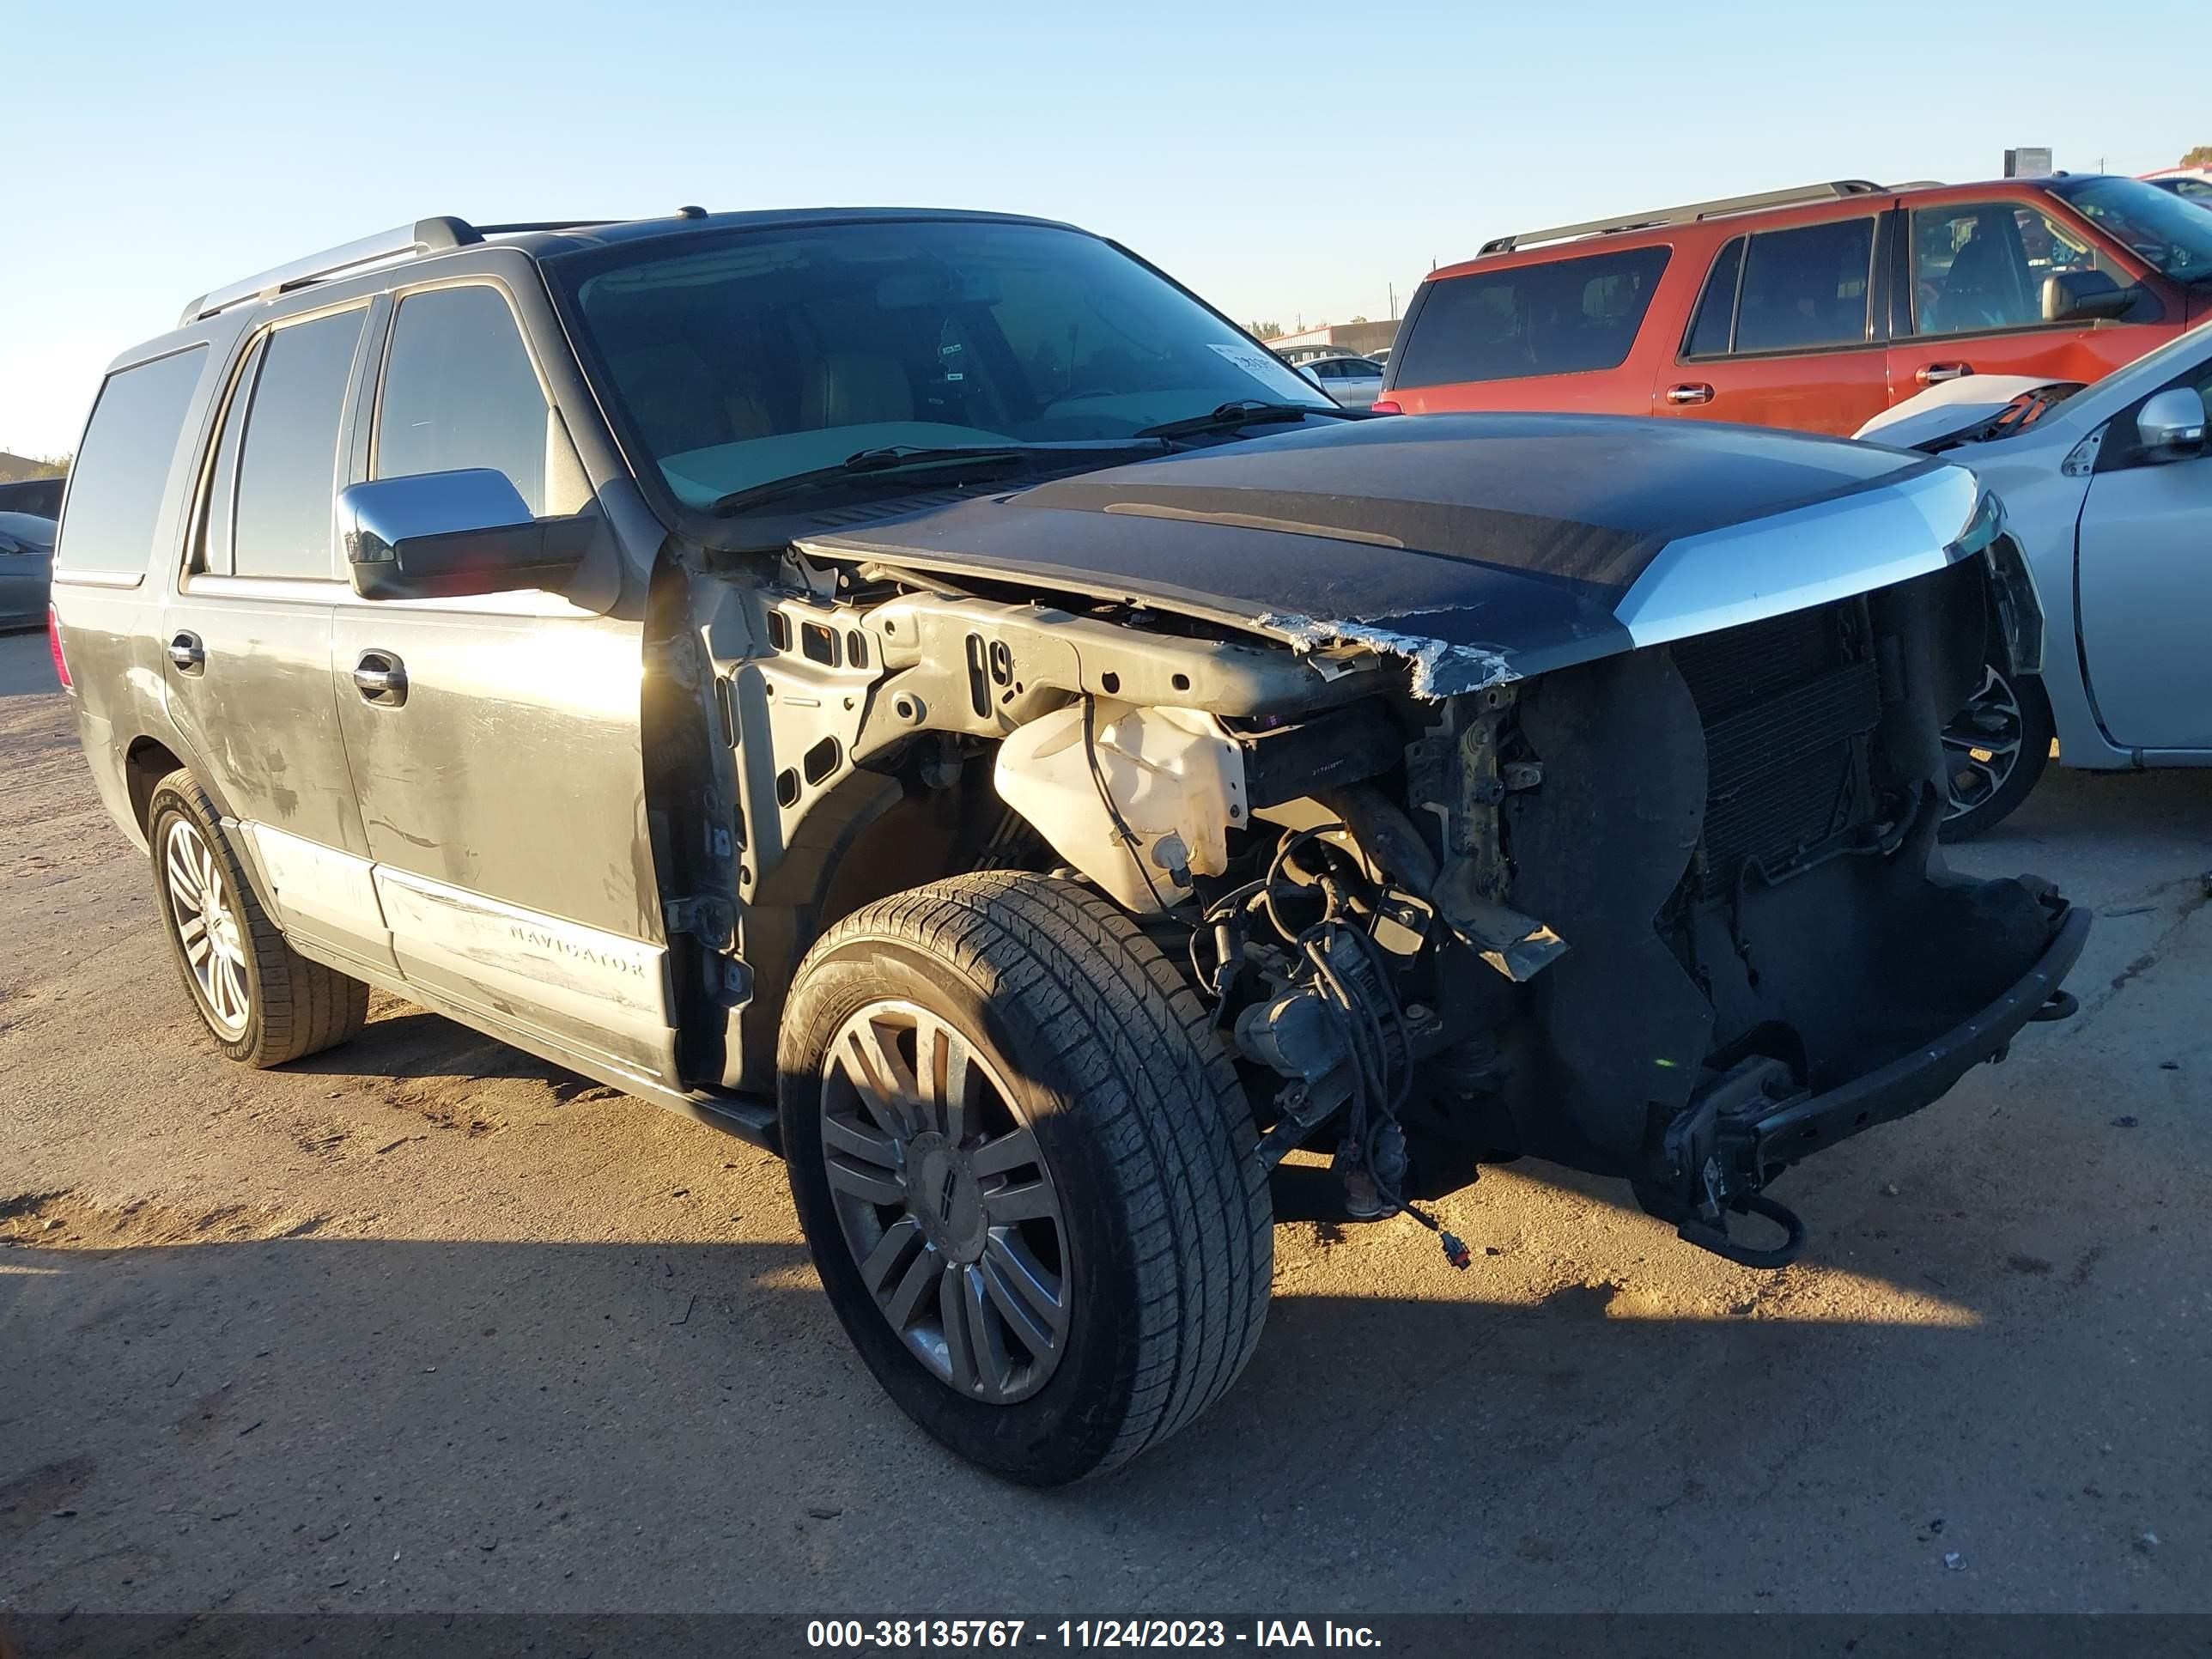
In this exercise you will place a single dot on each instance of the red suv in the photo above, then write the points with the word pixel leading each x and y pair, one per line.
pixel 1815 308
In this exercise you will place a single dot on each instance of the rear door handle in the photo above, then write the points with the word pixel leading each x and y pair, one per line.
pixel 187 654
pixel 381 677
pixel 1937 374
pixel 1694 392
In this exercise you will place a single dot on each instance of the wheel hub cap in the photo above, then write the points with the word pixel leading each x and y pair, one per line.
pixel 945 1203
pixel 944 1196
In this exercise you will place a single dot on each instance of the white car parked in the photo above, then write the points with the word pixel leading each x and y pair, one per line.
pixel 2107 491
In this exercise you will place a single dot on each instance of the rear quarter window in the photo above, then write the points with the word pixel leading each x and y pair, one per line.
pixel 122 467
pixel 1562 317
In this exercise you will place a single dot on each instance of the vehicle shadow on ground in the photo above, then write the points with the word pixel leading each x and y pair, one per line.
pixel 403 1041
pixel 298 1422
pixel 466 1388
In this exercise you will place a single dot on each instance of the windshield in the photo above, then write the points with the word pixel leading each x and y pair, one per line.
pixel 757 354
pixel 2170 234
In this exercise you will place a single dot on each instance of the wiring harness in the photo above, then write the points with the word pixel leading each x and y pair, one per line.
pixel 1333 1023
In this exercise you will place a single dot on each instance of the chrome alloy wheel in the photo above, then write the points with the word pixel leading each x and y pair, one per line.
pixel 1982 745
pixel 944 1202
pixel 208 928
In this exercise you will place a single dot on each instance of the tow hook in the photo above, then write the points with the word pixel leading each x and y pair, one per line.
pixel 1715 1165
pixel 1714 1235
pixel 2059 1005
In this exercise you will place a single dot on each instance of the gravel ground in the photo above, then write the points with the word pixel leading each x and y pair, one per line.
pixel 427 1324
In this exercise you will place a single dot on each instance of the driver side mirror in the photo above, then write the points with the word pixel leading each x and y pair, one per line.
pixel 446 535
pixel 2171 427
pixel 2083 296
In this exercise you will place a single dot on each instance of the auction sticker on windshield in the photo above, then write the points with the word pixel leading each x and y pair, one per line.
pixel 1255 360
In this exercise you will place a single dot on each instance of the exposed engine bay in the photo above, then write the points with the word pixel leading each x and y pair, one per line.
pixel 1675 914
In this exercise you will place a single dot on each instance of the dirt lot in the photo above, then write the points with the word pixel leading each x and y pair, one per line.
pixel 425 1323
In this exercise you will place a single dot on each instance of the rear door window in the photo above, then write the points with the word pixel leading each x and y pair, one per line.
pixel 460 391
pixel 122 467
pixel 1563 317
pixel 1806 287
pixel 288 471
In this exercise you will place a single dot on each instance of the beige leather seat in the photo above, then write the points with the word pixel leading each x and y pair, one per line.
pixel 680 403
pixel 854 388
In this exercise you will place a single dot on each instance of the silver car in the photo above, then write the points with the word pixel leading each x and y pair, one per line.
pixel 26 555
pixel 2108 490
pixel 1355 382
pixel 2191 187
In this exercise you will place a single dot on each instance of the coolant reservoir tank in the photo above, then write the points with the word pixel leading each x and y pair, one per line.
pixel 1176 780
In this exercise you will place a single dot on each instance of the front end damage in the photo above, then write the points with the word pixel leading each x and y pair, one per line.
pixel 1668 907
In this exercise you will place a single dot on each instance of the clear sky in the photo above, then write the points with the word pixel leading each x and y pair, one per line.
pixel 1286 160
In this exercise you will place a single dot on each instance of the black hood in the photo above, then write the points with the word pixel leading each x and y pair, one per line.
pixel 1513 536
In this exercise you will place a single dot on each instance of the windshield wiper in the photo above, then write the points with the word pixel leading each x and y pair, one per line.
pixel 1244 412
pixel 892 458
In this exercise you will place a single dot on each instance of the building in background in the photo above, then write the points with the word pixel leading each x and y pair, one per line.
pixel 1357 339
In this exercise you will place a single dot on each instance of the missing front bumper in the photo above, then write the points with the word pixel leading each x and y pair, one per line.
pixel 1743 1132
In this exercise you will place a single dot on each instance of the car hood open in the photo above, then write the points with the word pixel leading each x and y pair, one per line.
pixel 1482 547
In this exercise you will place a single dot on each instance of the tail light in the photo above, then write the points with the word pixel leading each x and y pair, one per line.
pixel 54 644
pixel 1385 406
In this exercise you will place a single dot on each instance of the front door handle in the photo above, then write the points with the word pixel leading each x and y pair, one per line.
pixel 187 654
pixel 1693 392
pixel 1937 374
pixel 381 677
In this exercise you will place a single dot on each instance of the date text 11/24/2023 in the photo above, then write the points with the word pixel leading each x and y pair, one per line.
pixel 880 1634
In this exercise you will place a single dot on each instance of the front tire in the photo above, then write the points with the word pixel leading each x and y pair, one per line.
pixel 262 1002
pixel 1026 1170
pixel 1994 749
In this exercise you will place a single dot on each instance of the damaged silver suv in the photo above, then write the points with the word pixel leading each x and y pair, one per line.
pixel 925 692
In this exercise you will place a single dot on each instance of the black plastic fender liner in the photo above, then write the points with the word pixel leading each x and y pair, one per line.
pixel 1597 850
pixel 1913 1080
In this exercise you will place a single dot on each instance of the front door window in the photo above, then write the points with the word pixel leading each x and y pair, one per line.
pixel 1981 266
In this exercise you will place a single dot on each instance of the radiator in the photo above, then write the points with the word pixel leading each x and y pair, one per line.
pixel 1784 702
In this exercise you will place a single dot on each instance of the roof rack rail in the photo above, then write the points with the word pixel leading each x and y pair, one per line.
pixel 433 235
pixel 1688 213
pixel 545 224
pixel 402 242
pixel 579 224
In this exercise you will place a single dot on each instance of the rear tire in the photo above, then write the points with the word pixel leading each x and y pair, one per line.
pixel 1101 1140
pixel 262 1002
pixel 1994 749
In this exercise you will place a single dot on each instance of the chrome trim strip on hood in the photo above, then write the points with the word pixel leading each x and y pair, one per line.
pixel 1854 543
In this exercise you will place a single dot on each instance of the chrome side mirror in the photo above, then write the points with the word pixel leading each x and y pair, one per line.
pixel 2171 427
pixel 442 535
